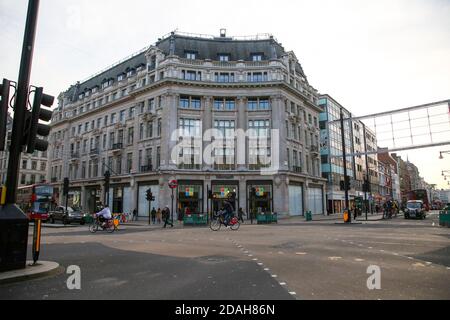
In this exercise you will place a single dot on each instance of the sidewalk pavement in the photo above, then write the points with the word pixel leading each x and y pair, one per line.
pixel 42 269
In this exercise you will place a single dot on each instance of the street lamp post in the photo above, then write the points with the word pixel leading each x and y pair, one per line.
pixel 443 152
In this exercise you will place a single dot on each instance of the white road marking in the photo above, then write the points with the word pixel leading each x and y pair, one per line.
pixel 334 258
pixel 274 276
pixel 255 259
pixel 282 283
pixel 260 263
pixel 293 293
pixel 266 269
pixel 359 260
pixel 301 253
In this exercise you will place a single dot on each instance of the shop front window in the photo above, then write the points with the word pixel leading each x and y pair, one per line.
pixel 190 196
pixel 262 199
pixel 221 193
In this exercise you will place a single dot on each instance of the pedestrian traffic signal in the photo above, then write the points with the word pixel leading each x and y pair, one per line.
pixel 34 128
pixel 107 178
pixel 4 104
pixel 66 186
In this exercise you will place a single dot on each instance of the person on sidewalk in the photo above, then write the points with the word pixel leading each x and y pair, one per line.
pixel 153 214
pixel 241 215
pixel 134 218
pixel 166 217
pixel 159 216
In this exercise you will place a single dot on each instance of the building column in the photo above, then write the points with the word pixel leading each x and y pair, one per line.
pixel 281 195
pixel 169 124
pixel 278 123
pixel 207 124
pixel 242 117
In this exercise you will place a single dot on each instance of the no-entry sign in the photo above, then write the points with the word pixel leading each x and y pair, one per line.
pixel 173 184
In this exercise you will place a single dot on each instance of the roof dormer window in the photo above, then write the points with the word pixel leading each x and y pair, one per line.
pixel 121 77
pixel 256 57
pixel 191 55
pixel 130 72
pixel 224 57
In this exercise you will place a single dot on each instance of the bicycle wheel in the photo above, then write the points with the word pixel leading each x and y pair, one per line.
pixel 93 228
pixel 110 227
pixel 235 227
pixel 215 225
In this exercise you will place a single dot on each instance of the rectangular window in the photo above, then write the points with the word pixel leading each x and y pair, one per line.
pixel 141 131
pixel 158 157
pixel 129 162
pixel 130 135
pixel 256 56
pixel 191 55
pixel 159 127
pixel 122 116
pixel 151 105
pixel 131 112
pixel 190 127
pixel 149 129
pixel 224 57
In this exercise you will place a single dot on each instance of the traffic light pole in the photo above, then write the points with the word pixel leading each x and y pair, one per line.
pixel 13 222
pixel 344 155
pixel 21 102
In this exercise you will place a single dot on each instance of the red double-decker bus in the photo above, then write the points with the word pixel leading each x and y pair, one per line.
pixel 35 200
pixel 420 194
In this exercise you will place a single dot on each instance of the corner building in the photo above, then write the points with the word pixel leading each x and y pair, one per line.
pixel 123 120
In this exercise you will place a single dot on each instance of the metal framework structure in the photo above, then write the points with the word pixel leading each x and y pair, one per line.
pixel 422 126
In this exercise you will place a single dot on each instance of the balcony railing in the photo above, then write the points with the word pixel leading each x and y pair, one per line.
pixel 116 146
pixel 297 169
pixel 314 148
pixel 75 155
pixel 94 152
pixel 146 168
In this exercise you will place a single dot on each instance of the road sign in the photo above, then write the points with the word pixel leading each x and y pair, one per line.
pixel 173 184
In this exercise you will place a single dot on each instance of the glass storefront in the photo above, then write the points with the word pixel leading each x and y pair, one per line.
pixel 120 199
pixel 190 195
pixel 93 196
pixel 221 192
pixel 263 201
pixel 75 198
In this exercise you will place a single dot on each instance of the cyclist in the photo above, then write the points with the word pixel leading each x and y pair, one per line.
pixel 104 215
pixel 228 210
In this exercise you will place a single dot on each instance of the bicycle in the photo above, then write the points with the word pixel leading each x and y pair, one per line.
pixel 218 220
pixel 107 226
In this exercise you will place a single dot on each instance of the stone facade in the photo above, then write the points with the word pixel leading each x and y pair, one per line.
pixel 123 121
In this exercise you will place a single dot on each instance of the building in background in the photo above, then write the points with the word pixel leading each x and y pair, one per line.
pixel 360 167
pixel 33 167
pixel 123 119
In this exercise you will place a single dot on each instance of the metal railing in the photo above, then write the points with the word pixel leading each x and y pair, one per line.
pixel 116 146
pixel 146 168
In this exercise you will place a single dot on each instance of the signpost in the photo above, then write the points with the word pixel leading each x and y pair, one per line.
pixel 173 184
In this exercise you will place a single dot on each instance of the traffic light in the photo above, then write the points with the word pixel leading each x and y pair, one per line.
pixel 150 195
pixel 107 178
pixel 4 103
pixel 66 186
pixel 345 185
pixel 34 127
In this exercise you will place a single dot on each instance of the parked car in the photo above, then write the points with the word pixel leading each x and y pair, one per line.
pixel 415 209
pixel 67 217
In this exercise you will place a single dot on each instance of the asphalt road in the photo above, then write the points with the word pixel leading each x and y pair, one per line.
pixel 291 260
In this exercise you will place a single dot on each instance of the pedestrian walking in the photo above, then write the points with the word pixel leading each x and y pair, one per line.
pixel 159 216
pixel 153 214
pixel 166 217
pixel 134 218
pixel 241 215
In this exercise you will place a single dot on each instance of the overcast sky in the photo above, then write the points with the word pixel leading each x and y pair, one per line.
pixel 369 55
